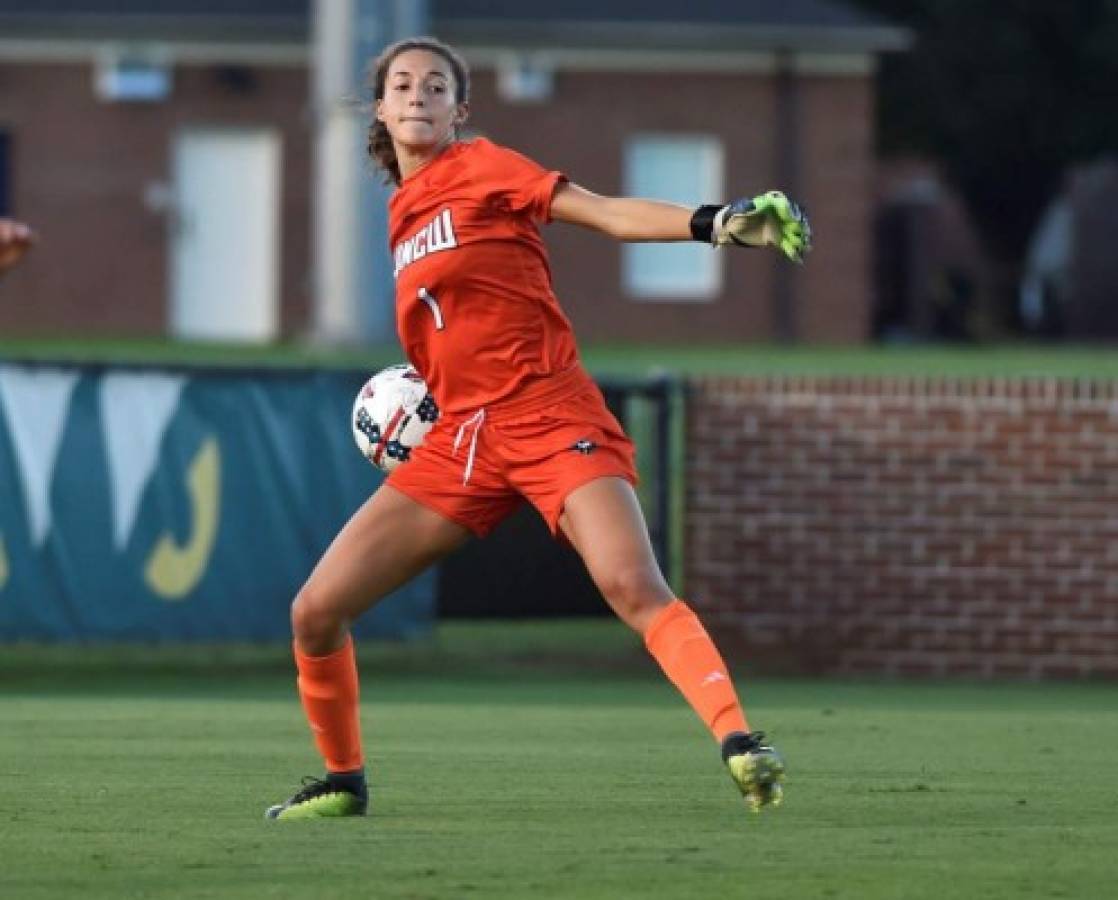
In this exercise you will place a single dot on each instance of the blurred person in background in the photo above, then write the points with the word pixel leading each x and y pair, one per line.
pixel 15 240
pixel 519 416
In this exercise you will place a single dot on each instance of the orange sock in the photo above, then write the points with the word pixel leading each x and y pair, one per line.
pixel 679 643
pixel 328 689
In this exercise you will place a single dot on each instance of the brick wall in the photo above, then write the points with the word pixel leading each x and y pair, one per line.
pixel 906 526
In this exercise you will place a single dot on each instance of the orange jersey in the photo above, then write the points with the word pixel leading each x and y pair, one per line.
pixel 475 310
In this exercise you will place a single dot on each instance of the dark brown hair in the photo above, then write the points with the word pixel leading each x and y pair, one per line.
pixel 380 146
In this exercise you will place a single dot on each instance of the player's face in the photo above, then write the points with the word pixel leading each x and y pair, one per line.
pixel 418 106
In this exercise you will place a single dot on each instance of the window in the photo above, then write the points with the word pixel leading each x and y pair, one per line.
pixel 5 173
pixel 119 78
pixel 683 169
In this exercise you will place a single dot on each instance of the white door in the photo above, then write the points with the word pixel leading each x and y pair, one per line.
pixel 225 234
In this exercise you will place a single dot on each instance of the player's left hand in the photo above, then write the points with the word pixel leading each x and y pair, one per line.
pixel 767 220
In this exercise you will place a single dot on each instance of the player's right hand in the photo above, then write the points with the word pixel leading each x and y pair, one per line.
pixel 15 240
pixel 767 220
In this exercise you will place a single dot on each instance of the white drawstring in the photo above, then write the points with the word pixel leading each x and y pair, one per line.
pixel 476 419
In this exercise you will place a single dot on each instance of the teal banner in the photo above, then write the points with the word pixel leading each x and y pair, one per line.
pixel 176 504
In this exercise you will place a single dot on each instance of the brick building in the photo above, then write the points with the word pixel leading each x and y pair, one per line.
pixel 692 102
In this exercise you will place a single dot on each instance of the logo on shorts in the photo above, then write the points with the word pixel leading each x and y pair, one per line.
pixel 584 446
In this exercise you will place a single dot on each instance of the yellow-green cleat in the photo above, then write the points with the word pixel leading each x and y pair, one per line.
pixel 323 799
pixel 756 768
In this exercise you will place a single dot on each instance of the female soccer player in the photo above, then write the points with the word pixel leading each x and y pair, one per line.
pixel 15 240
pixel 520 417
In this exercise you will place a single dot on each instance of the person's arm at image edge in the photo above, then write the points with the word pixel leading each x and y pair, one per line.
pixel 15 240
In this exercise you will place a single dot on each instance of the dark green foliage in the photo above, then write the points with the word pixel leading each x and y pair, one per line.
pixel 1008 94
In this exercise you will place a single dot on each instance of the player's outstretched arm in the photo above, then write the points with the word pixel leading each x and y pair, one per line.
pixel 15 240
pixel 767 220
pixel 624 218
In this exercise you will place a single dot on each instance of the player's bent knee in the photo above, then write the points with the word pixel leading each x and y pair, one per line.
pixel 636 594
pixel 315 624
pixel 637 586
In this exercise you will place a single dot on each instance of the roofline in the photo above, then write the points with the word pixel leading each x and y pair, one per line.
pixel 674 36
pixel 750 62
pixel 154 27
pixel 298 55
pixel 184 52
pixel 518 34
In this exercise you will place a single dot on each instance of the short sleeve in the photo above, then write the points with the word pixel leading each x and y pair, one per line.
pixel 520 185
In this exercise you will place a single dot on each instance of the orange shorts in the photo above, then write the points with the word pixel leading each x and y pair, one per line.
pixel 539 456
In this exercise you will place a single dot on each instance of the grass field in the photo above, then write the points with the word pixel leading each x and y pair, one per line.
pixel 538 761
pixel 628 360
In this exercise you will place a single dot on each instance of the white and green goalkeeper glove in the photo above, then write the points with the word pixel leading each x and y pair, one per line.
pixel 767 220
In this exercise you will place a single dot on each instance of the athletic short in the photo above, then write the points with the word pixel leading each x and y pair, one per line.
pixel 540 456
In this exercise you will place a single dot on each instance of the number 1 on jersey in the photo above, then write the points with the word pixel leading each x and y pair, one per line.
pixel 433 305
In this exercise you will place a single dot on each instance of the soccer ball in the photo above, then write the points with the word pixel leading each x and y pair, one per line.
pixel 392 414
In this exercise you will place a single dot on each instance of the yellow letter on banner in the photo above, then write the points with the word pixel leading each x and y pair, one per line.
pixel 173 571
